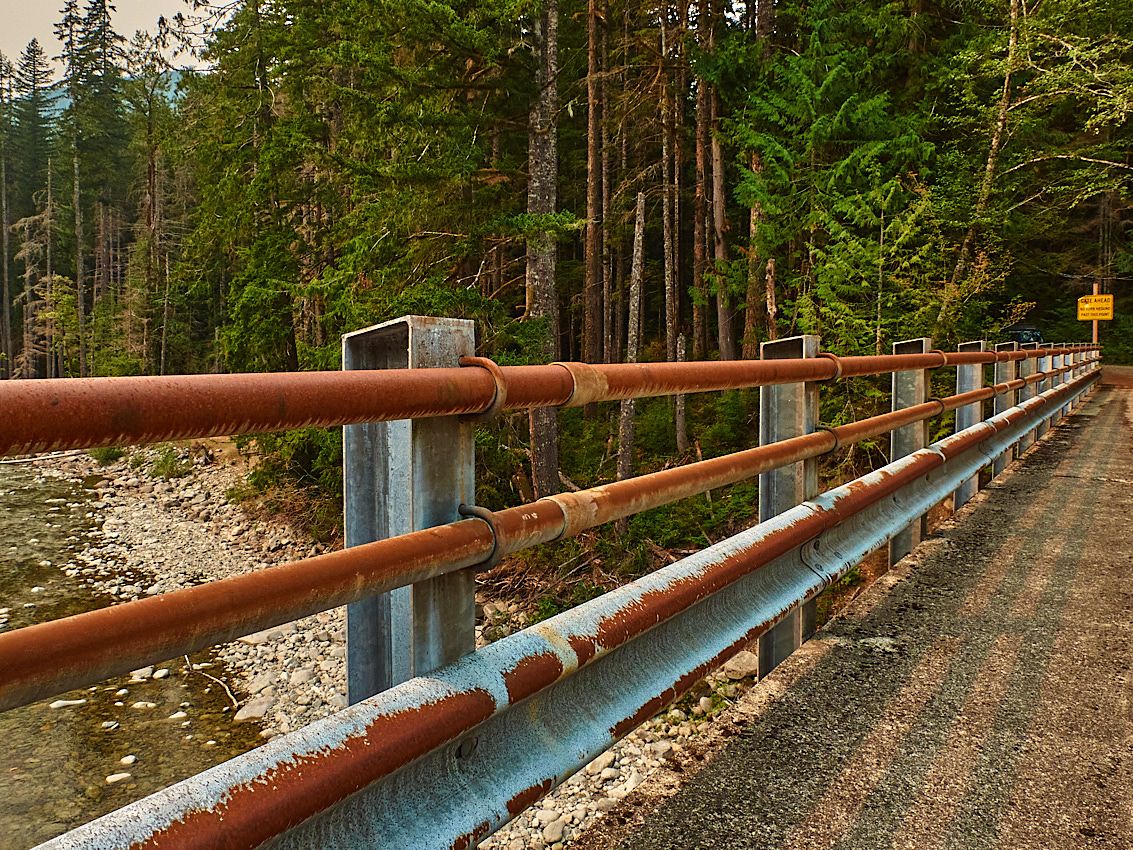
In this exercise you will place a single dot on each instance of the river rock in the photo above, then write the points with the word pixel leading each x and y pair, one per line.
pixel 742 665
pixel 67 703
pixel 255 709
pixel 601 763
pixel 553 832
pixel 115 778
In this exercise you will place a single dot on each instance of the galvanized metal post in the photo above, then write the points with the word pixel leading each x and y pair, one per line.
pixel 787 411
pixel 1004 372
pixel 1057 381
pixel 1027 368
pixel 968 378
pixel 404 476
pixel 1042 387
pixel 909 390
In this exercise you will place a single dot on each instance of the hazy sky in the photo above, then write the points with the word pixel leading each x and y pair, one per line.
pixel 23 20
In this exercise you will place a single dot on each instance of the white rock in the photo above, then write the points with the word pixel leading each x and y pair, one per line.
pixel 546 816
pixel 144 705
pixel 142 674
pixel 117 777
pixel 742 665
pixel 635 779
pixel 553 832
pixel 67 703
pixel 255 709
pixel 110 724
pixel 128 760
pixel 705 705
pixel 161 674
pixel 609 773
pixel 601 763
pixel 605 804
pixel 178 715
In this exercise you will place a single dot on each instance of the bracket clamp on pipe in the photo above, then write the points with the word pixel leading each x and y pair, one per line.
pixel 943 356
pixel 499 400
pixel 476 512
pixel 589 384
pixel 837 367
pixel 943 406
pixel 831 431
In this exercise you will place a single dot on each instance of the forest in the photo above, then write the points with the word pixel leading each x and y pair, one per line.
pixel 595 181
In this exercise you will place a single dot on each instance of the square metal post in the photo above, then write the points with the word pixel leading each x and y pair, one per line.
pixel 786 411
pixel 399 477
pixel 1056 362
pixel 1004 372
pixel 968 378
pixel 909 389
pixel 1027 368
pixel 1042 387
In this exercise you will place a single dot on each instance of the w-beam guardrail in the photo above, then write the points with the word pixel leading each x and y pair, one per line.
pixel 458 742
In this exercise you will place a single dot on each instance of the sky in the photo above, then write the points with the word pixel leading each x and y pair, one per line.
pixel 23 20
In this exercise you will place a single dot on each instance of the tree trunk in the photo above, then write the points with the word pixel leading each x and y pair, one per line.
pixel 542 198
pixel 6 314
pixel 726 336
pixel 772 307
pixel 626 423
pixel 610 354
pixel 672 318
pixel 80 283
pixel 753 312
pixel 165 318
pixel 984 197
pixel 700 210
pixel 679 413
pixel 592 319
pixel 50 358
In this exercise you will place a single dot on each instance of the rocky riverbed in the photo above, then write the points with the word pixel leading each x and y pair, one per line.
pixel 153 535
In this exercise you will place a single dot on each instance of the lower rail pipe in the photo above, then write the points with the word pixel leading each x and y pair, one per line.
pixel 445 760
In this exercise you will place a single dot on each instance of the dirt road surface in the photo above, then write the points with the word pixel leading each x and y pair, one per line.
pixel 977 697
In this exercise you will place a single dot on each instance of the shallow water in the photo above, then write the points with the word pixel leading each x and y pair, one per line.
pixel 54 762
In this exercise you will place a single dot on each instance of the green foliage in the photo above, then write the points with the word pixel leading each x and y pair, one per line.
pixel 106 455
pixel 169 464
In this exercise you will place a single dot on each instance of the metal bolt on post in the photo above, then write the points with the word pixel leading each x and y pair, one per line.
pixel 968 378
pixel 909 390
pixel 1004 372
pixel 404 476
pixel 786 411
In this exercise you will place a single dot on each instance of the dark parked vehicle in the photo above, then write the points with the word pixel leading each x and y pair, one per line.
pixel 1022 332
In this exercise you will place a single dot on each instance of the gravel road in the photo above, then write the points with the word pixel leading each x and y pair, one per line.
pixel 977 697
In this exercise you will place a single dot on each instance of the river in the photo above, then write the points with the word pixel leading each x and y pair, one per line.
pixel 64 762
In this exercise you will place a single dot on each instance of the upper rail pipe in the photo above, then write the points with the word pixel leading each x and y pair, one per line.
pixel 90 412
pixel 59 655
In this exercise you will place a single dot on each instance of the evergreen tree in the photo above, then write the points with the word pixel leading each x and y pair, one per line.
pixel 31 153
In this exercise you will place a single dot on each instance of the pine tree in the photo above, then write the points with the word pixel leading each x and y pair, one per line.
pixel 31 151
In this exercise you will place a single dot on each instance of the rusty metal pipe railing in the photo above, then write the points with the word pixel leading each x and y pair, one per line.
pixel 89 412
pixel 57 656
pixel 342 758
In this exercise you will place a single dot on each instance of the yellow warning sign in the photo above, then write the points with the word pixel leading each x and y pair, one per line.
pixel 1095 308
